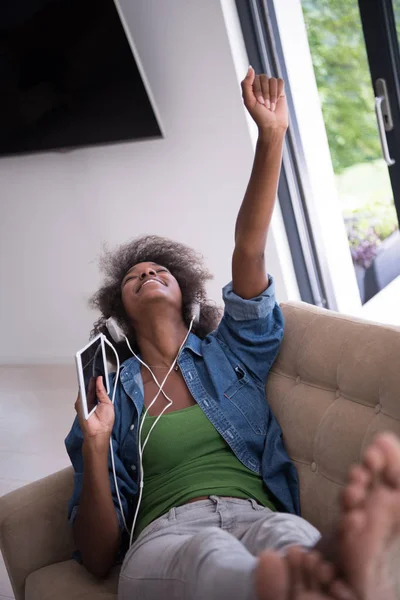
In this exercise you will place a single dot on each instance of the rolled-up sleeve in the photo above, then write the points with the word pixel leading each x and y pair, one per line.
pixel 252 329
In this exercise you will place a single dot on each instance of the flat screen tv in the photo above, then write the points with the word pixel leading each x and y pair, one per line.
pixel 69 77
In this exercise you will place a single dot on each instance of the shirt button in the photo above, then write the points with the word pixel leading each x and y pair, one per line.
pixel 132 427
pixel 313 467
pixel 133 467
pixel 378 408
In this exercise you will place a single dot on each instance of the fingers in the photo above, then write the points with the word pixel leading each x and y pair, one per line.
pixel 281 88
pixel 101 392
pixel 78 403
pixel 271 88
pixel 257 90
pixel 247 86
pixel 262 89
pixel 264 82
pixel 79 410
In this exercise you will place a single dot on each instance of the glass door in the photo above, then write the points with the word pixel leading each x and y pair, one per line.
pixel 356 59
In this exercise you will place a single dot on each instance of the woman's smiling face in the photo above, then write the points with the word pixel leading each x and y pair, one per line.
pixel 148 282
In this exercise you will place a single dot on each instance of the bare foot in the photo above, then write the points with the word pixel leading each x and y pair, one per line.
pixel 370 522
pixel 313 578
pixel 301 575
pixel 271 577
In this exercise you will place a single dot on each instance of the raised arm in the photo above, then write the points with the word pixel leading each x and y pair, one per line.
pixel 265 100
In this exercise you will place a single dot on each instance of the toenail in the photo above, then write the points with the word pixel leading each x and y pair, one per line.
pixel 378 408
pixel 313 466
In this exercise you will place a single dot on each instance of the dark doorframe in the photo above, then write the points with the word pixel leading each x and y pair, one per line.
pixel 379 27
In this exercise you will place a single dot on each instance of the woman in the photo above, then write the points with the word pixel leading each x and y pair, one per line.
pixel 219 487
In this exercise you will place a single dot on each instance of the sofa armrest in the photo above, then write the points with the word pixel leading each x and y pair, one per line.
pixel 34 529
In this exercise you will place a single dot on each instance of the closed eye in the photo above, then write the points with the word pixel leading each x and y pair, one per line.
pixel 129 278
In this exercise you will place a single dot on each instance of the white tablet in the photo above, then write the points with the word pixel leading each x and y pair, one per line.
pixel 91 362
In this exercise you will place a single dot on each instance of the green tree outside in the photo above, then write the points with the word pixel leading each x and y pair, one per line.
pixel 343 79
pixel 341 69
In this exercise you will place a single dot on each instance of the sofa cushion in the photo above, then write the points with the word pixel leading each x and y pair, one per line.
pixel 70 581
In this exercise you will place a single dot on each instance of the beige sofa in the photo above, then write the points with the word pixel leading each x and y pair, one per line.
pixel 336 383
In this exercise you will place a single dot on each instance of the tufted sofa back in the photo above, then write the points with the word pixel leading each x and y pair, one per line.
pixel 335 384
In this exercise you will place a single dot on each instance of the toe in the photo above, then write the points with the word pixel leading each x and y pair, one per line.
pixel 295 557
pixel 353 495
pixel 359 475
pixel 353 522
pixel 374 459
pixel 325 573
pixel 271 577
pixel 390 446
pixel 310 563
pixel 341 591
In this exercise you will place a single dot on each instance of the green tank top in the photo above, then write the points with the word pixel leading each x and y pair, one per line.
pixel 186 457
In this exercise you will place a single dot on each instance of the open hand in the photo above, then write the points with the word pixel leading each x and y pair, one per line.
pixel 100 423
pixel 265 99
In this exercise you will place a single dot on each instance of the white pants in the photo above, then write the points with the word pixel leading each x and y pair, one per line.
pixel 207 550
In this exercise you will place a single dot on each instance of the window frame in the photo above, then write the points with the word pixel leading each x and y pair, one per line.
pixel 264 49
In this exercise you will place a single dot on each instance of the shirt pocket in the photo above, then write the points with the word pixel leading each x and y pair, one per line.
pixel 247 397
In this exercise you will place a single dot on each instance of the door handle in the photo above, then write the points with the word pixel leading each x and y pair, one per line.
pixel 384 119
pixel 382 133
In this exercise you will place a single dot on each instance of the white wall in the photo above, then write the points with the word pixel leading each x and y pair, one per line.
pixel 58 208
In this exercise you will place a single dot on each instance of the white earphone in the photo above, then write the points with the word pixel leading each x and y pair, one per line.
pixel 196 312
pixel 118 336
pixel 115 330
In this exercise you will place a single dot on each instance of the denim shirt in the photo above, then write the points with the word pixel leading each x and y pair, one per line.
pixel 226 374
